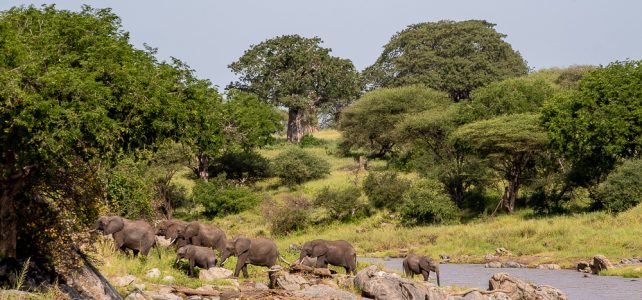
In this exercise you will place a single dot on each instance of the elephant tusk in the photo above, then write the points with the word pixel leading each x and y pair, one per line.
pixel 172 241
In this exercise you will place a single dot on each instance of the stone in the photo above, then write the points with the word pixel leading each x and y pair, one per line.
pixel 168 278
pixel 136 296
pixel 512 264
pixel 387 286
pixel 501 251
pixel 600 262
pixel 290 282
pixel 214 273
pixel 490 257
pixel 124 280
pixel 583 266
pixel 195 297
pixel 293 248
pixel 517 289
pixel 261 286
pixel 549 267
pixel 161 296
pixel 139 286
pixel 325 292
pixel 345 281
pixel 493 264
pixel 444 258
pixel 153 273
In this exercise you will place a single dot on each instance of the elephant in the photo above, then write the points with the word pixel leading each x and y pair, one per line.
pixel 258 252
pixel 169 229
pixel 138 235
pixel 199 234
pixel 202 257
pixel 338 253
pixel 419 264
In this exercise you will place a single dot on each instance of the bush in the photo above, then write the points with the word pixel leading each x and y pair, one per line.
pixel 223 200
pixel 385 189
pixel 341 203
pixel 622 189
pixel 295 166
pixel 130 192
pixel 290 214
pixel 242 166
pixel 426 202
pixel 309 140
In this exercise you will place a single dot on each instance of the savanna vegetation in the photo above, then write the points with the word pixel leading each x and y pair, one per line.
pixel 442 150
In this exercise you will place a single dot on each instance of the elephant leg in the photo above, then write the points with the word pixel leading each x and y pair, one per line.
pixel 135 252
pixel 426 274
pixel 245 274
pixel 191 267
pixel 240 263
pixel 321 262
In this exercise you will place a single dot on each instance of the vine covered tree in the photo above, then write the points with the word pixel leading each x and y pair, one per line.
pixel 297 73
pixel 454 57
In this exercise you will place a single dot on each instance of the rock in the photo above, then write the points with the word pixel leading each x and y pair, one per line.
pixel 517 289
pixel 124 281
pixel 163 241
pixel 261 286
pixel 493 264
pixel 490 257
pixel 586 275
pixel 195 297
pixel 214 273
pixel 293 248
pixel 153 273
pixel 503 252
pixel 345 281
pixel 139 286
pixel 512 264
pixel 325 292
pixel 384 286
pixel 549 267
pixel 360 230
pixel 600 262
pixel 290 282
pixel 444 258
pixel 136 296
pixel 161 296
pixel 583 266
pixel 168 278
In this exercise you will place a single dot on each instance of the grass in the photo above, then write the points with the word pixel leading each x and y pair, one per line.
pixel 626 272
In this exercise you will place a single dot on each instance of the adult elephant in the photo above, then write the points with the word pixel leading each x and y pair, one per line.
pixel 419 264
pixel 138 235
pixel 258 252
pixel 338 253
pixel 169 229
pixel 206 235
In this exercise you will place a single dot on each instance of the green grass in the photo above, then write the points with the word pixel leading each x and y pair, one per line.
pixel 627 272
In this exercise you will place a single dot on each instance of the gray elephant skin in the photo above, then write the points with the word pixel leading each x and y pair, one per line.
pixel 169 229
pixel 206 235
pixel 419 264
pixel 202 257
pixel 138 235
pixel 258 252
pixel 338 253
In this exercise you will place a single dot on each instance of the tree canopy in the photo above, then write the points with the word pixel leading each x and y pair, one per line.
pixel 296 72
pixel 454 57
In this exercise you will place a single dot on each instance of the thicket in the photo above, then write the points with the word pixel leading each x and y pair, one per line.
pixel 622 189
pixel 295 166
pixel 241 166
pixel 385 189
pixel 341 203
pixel 426 202
pixel 219 198
pixel 288 214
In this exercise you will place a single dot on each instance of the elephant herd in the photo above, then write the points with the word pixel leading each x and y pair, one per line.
pixel 196 242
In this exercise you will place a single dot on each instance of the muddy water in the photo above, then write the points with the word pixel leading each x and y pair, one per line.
pixel 573 283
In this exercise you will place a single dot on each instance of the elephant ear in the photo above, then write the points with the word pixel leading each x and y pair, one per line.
pixel 427 264
pixel 114 224
pixel 241 244
pixel 191 229
pixel 319 249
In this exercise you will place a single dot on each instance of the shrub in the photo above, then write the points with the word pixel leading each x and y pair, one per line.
pixel 242 166
pixel 295 166
pixel 385 189
pixel 290 214
pixel 426 202
pixel 129 191
pixel 341 203
pixel 309 140
pixel 223 200
pixel 622 189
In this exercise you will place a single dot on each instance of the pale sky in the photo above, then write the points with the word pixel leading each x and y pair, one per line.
pixel 209 35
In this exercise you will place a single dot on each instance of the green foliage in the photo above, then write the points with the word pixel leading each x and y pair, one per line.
pixel 249 122
pixel 385 189
pixel 130 191
pixel 341 203
pixel 622 189
pixel 220 200
pixel 599 123
pixel 241 166
pixel 449 56
pixel 309 140
pixel 367 123
pixel 510 96
pixel 290 214
pixel 427 203
pixel 570 77
pixel 295 166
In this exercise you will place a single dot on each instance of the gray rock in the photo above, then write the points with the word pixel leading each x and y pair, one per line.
pixel 161 296
pixel 387 286
pixel 345 281
pixel 214 273
pixel 503 252
pixel 124 280
pixel 291 282
pixel 261 286
pixel 139 286
pixel 583 266
pixel 153 273
pixel 520 290
pixel 600 262
pixel 135 296
pixel 549 267
pixel 325 292
pixel 490 257
pixel 512 264
pixel 493 264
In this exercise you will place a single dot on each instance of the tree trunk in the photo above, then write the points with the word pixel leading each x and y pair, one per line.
pixel 8 224
pixel 295 124
pixel 203 164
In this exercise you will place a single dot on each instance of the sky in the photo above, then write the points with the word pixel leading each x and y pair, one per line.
pixel 209 35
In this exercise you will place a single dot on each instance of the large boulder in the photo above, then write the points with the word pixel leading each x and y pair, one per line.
pixel 325 292
pixel 517 289
pixel 600 262
pixel 383 286
pixel 214 273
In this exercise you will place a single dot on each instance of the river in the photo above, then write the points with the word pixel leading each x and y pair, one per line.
pixel 571 282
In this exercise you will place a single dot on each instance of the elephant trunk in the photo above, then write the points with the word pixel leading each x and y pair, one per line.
pixel 437 272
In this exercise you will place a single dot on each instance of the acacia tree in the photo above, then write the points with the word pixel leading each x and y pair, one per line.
pixel 454 57
pixel 509 144
pixel 297 73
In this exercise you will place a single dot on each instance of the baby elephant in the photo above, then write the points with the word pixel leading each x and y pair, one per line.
pixel 202 257
pixel 416 264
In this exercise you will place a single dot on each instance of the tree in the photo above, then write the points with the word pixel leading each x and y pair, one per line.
pixel 600 123
pixel 297 73
pixel 509 144
pixel 454 57
pixel 76 96
pixel 368 122
pixel 248 122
